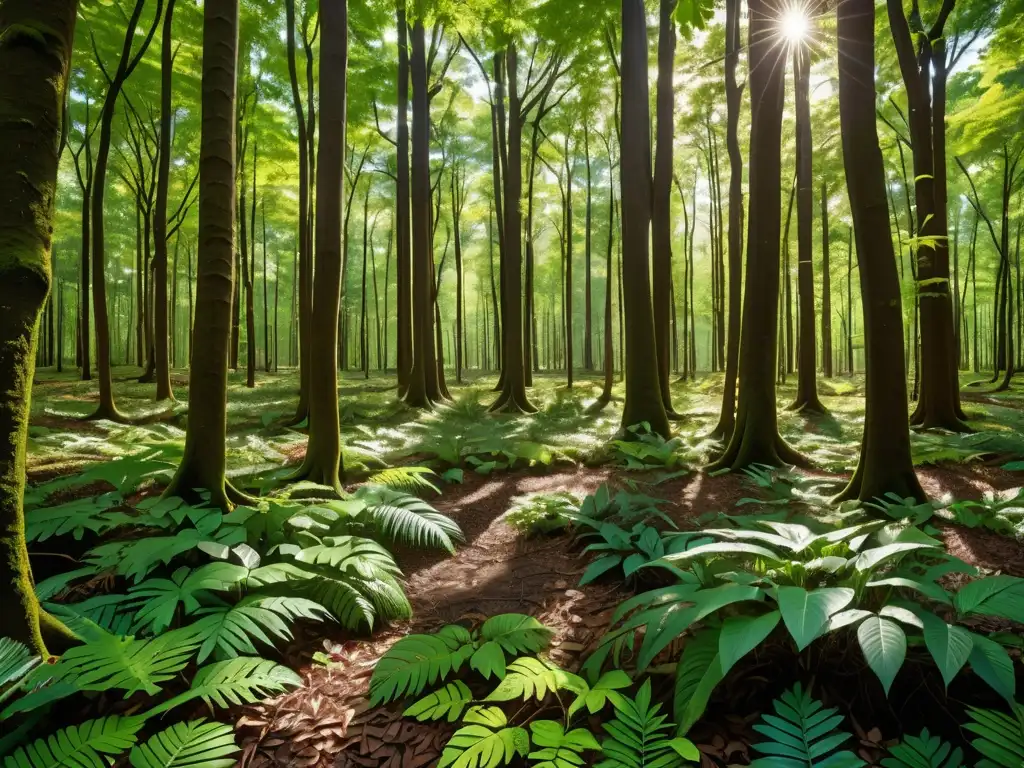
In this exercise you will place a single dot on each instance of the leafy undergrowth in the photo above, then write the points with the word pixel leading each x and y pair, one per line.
pixel 633 612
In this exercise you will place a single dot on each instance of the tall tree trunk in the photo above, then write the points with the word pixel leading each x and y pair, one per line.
pixel 609 352
pixel 588 330
pixel 266 314
pixel 569 355
pixel 645 400
pixel 204 463
pixel 939 403
pixel 756 438
pixel 849 304
pixel 661 212
pixel 885 462
pixel 733 101
pixel 807 388
pixel 513 393
pixel 364 342
pixel 826 287
pixel 403 245
pixel 160 329
pixel 323 462
pixel 456 213
pixel 423 367
pixel 126 65
pixel 36 39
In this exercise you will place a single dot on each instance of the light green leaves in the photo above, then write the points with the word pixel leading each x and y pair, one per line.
pixel 637 736
pixel 88 744
pixel 416 661
pixel 604 690
pixel 449 702
pixel 885 647
pixel 558 748
pixel 194 744
pixel 530 677
pixel 807 614
pixel 236 681
pixel 741 634
pixel 478 745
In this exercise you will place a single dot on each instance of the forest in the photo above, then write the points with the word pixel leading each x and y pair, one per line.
pixel 530 383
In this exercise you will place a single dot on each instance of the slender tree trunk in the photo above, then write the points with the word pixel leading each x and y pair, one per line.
pixel 204 463
pixel 645 400
pixel 826 287
pixel 456 213
pixel 569 355
pixel 588 332
pixel 755 438
pixel 885 462
pixel 364 342
pixel 403 244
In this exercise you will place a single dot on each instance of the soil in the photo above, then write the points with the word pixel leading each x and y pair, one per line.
pixel 328 722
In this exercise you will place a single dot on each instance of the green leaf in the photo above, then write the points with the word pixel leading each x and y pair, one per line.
pixel 449 702
pixel 599 567
pixel 993 664
pixel 530 677
pixel 872 558
pixel 802 734
pixel 230 631
pixel 477 746
pixel 638 737
pixel 560 749
pixel 1001 596
pixel 16 661
pixel 234 682
pixel 884 644
pixel 90 744
pixel 950 646
pixel 605 689
pixel 698 672
pixel 924 751
pixel 742 634
pixel 489 660
pixel 807 614
pixel 516 633
pixel 1000 736
pixel 192 744
pixel 416 661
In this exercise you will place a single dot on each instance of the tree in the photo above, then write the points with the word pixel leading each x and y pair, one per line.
pixel 807 387
pixel 323 463
pixel 203 464
pixel 921 55
pixel 756 439
pixel 126 65
pixel 36 38
pixel 885 462
pixel 644 401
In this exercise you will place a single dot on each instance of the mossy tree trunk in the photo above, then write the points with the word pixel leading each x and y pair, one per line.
pixel 36 38
pixel 644 401
pixel 203 465
pixel 756 439
pixel 885 461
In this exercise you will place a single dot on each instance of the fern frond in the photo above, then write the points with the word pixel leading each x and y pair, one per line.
pixel 15 661
pixel 92 743
pixel 408 479
pixel 234 682
pixel 192 744
pixel 530 677
pixel 404 519
pixel 229 631
pixel 924 751
pixel 1000 736
pixel 416 661
pixel 802 732
pixel 448 702
pixel 638 736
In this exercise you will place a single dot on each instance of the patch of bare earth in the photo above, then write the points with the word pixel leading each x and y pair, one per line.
pixel 328 721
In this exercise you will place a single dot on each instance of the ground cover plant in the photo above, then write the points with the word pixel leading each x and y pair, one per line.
pixel 410 383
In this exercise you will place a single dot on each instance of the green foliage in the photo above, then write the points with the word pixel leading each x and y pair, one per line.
pixel 416 661
pixel 923 751
pixel 190 744
pixel 76 517
pixel 16 661
pixel 89 744
pixel 639 736
pixel 643 450
pixel 542 513
pixel 234 682
pixel 448 702
pixel 229 631
pixel 407 479
pixel 1000 737
pixel 633 549
pixel 802 732
pixel 559 749
pixel 486 742
pixel 531 677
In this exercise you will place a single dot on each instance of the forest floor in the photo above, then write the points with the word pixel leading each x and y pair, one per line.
pixel 498 570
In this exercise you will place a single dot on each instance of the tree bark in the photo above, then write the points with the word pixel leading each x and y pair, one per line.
pixel 203 465
pixel 826 287
pixel 885 461
pixel 36 40
pixel 645 402
pixel 403 246
pixel 756 439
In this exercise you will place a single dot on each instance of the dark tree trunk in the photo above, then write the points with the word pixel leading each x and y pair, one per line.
pixel 885 462
pixel 403 245
pixel 457 201
pixel 323 462
pixel 826 287
pixel 588 331
pixel 567 306
pixel 755 439
pixel 645 401
pixel 204 463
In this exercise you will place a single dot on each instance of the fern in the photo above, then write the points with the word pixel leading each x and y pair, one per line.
pixel 479 745
pixel 121 663
pixel 404 519
pixel 530 677
pixel 74 517
pixel 236 681
pixel 560 749
pixel 348 554
pixel 229 631
pixel 114 613
pixel 1000 736
pixel 192 744
pixel 448 702
pixel 187 588
pixel 638 736
pixel 416 661
pixel 924 751
pixel 407 479
pixel 16 661
pixel 802 733
pixel 88 745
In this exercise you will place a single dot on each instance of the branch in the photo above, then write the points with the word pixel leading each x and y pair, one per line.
pixel 376 119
